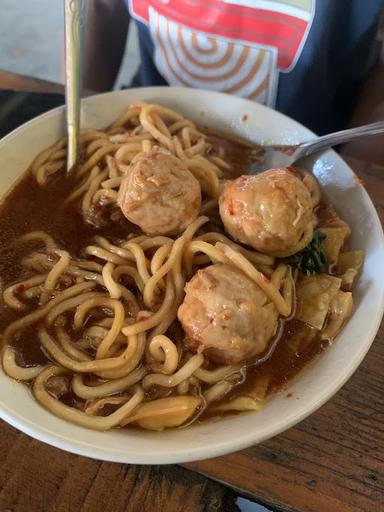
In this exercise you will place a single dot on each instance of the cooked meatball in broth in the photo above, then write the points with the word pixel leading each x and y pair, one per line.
pixel 226 315
pixel 271 211
pixel 159 194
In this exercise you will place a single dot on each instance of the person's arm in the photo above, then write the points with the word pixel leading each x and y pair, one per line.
pixel 105 38
pixel 370 108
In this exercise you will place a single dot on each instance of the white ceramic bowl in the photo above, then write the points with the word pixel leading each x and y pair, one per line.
pixel 316 384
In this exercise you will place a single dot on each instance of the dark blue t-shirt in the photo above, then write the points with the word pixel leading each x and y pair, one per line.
pixel 305 58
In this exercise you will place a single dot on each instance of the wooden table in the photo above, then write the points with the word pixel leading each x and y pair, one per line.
pixel 333 461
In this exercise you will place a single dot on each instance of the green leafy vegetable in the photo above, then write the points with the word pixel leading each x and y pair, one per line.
pixel 312 259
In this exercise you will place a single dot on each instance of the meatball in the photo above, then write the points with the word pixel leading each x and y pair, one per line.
pixel 159 194
pixel 269 211
pixel 226 315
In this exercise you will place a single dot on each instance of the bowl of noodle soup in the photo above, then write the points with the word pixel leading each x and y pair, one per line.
pixel 93 303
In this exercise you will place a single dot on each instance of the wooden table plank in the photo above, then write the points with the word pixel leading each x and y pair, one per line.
pixel 16 82
pixel 21 83
pixel 333 460
pixel 35 477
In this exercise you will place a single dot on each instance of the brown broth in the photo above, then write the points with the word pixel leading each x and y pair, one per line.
pixel 239 153
pixel 30 207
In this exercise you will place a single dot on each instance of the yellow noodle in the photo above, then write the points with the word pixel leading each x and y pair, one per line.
pixel 176 253
pixel 44 156
pixel 195 246
pixel 40 313
pixel 183 387
pixel 154 242
pixel 265 284
pixel 207 178
pixel 80 190
pixel 156 317
pixel 219 162
pixel 104 196
pixel 93 407
pixel 146 119
pixel 88 366
pixel 146 145
pixel 84 274
pixel 9 293
pixel 57 270
pixel 141 261
pixel 106 388
pixel 111 183
pixel 170 381
pixel 103 254
pixel 95 159
pixel 130 271
pixel 69 347
pixel 113 171
pixel 92 188
pixel 213 376
pixel 33 292
pixel 120 251
pixel 126 117
pixel 90 134
pixel 254 256
pixel 197 148
pixel 111 285
pixel 164 351
pixel 130 364
pixel 208 206
pixel 279 274
pixel 47 170
pixel 217 391
pixel 127 151
pixel 40 236
pixel 15 371
pixel 74 415
pixel 68 304
pixel 95 145
pixel 159 257
pixel 117 324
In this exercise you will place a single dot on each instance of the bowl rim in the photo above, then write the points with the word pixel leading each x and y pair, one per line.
pixel 222 447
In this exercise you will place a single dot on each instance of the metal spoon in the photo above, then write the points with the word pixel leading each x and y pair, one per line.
pixel 74 15
pixel 284 156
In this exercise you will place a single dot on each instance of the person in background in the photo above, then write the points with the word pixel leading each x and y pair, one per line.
pixel 319 61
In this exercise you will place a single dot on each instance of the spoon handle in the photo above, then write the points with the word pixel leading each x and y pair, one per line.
pixel 74 19
pixel 333 139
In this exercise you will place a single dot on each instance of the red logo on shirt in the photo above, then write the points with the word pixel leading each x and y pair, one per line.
pixel 284 27
pixel 234 46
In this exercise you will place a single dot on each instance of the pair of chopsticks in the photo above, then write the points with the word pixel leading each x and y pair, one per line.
pixel 74 15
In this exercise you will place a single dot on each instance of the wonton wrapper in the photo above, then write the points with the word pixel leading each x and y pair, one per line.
pixel 259 388
pixel 314 295
pixel 164 412
pixel 303 337
pixel 334 241
pixel 253 400
pixel 340 310
pixel 348 266
pixel 336 231
pixel 329 218
pixel 240 403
